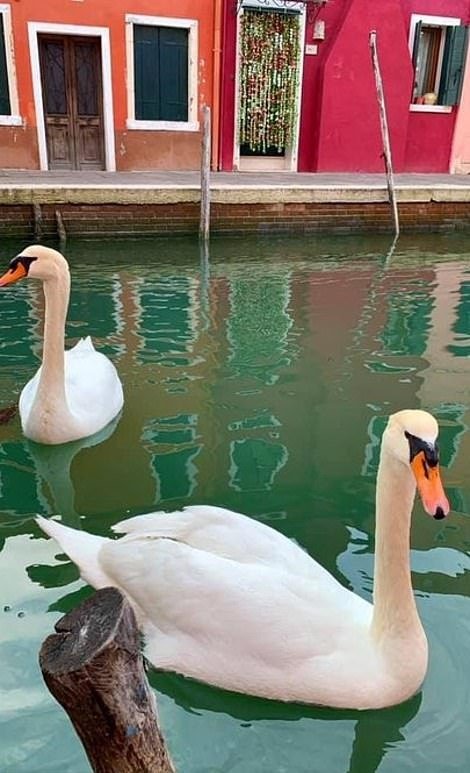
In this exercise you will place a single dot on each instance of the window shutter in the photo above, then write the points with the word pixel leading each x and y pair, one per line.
pixel 173 74
pixel 5 107
pixel 414 57
pixel 453 65
pixel 146 75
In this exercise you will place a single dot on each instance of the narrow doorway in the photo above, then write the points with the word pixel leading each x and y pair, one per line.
pixel 269 67
pixel 72 90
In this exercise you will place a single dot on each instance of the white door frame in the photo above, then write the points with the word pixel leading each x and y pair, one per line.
pixel 291 156
pixel 36 28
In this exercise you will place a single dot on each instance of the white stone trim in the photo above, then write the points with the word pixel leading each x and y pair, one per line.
pixel 298 108
pixel 14 119
pixel 11 120
pixel 173 126
pixel 430 108
pixel 430 21
pixel 192 124
pixel 35 28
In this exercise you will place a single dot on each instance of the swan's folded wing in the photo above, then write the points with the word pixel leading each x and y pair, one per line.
pixel 226 534
pixel 92 385
pixel 204 615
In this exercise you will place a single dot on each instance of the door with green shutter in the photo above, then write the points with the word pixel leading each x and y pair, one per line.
pixel 160 73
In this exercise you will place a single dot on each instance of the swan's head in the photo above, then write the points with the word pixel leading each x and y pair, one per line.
pixel 411 436
pixel 37 262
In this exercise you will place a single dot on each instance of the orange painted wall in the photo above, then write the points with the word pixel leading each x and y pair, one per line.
pixel 150 150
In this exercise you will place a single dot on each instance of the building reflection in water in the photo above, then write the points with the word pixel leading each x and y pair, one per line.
pixel 241 397
pixel 305 343
pixel 265 388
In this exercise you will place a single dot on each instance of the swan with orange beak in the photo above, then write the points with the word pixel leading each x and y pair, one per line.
pixel 424 461
pixel 230 601
pixel 75 393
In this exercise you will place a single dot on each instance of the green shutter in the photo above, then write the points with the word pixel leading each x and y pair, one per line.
pixel 146 75
pixel 453 65
pixel 414 58
pixel 5 107
pixel 174 74
pixel 160 73
pixel 418 26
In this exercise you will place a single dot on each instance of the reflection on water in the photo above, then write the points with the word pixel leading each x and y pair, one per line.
pixel 259 377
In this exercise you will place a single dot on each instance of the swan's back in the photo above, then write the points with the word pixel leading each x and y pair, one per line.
pixel 227 534
pixel 92 388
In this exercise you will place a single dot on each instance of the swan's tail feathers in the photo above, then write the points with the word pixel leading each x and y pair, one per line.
pixel 82 548
pixel 84 345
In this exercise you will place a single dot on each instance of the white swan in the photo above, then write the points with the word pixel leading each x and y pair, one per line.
pixel 75 393
pixel 229 601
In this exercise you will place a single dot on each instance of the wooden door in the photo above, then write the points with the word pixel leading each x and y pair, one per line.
pixel 73 104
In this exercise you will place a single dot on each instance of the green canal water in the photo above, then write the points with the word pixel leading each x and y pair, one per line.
pixel 259 378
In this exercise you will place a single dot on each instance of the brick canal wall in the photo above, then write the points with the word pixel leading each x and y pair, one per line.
pixel 89 214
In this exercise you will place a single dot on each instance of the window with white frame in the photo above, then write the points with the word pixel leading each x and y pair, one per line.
pixel 8 95
pixel 162 72
pixel 438 45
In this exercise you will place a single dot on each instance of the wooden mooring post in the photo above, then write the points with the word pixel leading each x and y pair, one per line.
pixel 61 232
pixel 93 667
pixel 384 129
pixel 204 223
pixel 38 226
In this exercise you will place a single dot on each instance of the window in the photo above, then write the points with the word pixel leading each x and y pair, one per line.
pixel 406 329
pixel 8 97
pixel 439 48
pixel 172 443
pixel 254 463
pixel 162 72
pixel 167 327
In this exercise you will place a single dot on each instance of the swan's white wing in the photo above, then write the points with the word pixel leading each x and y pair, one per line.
pixel 244 626
pixel 226 534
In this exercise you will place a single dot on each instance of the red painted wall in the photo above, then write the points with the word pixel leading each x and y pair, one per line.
pixel 312 86
pixel 349 136
pixel 228 86
pixel 134 149
pixel 429 142
pixel 339 126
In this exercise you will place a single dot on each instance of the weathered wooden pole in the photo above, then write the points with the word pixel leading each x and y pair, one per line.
pixel 61 232
pixel 204 222
pixel 384 129
pixel 37 212
pixel 205 283
pixel 93 667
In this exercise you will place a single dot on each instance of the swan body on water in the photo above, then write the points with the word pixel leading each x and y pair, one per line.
pixel 230 601
pixel 75 393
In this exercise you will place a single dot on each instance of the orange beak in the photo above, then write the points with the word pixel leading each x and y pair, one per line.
pixel 429 483
pixel 13 275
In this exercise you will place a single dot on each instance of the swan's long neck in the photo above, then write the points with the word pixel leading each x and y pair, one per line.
pixel 51 387
pixel 395 614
